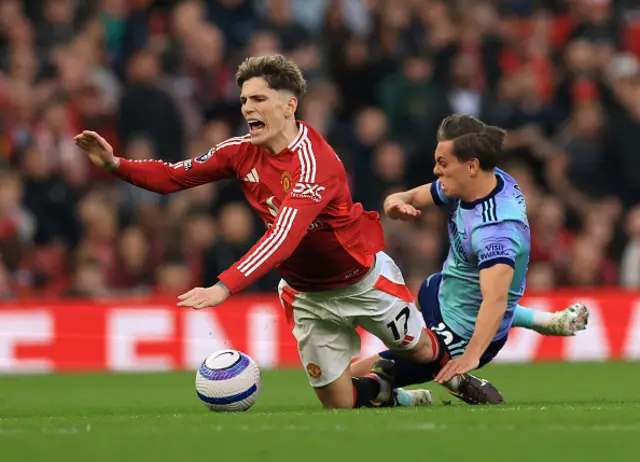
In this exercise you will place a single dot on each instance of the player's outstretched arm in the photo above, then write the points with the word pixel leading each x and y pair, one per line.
pixel 299 209
pixel 99 151
pixel 296 213
pixel 406 205
pixel 158 176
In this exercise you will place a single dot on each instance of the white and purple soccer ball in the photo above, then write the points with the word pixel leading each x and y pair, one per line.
pixel 228 381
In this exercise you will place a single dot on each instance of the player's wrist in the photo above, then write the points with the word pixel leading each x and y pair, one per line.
pixel 113 165
pixel 475 348
pixel 222 286
pixel 391 204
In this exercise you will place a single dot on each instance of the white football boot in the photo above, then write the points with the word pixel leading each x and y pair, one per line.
pixel 567 322
pixel 404 397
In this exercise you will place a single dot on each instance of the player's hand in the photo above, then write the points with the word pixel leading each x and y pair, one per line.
pixel 202 297
pixel 404 212
pixel 462 365
pixel 98 150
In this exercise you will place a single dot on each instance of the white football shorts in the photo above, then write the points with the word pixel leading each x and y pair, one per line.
pixel 324 323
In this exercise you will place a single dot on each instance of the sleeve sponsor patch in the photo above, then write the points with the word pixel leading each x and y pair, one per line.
pixel 201 159
pixel 495 250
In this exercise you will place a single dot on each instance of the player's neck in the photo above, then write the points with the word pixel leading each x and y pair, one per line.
pixel 482 187
pixel 284 138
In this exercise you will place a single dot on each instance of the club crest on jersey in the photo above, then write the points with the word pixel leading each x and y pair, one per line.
pixel 285 181
pixel 201 159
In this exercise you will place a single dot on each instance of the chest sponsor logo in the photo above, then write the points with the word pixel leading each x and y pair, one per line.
pixel 309 191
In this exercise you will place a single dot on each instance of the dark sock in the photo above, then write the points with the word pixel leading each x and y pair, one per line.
pixel 365 390
pixel 409 373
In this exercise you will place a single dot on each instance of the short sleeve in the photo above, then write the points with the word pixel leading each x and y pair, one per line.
pixel 495 244
pixel 439 197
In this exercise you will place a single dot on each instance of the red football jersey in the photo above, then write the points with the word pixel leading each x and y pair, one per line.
pixel 316 237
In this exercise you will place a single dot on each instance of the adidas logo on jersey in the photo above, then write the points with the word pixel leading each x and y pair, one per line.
pixel 252 176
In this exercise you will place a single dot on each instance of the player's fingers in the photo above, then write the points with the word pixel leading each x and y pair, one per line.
pixel 406 213
pixel 448 372
pixel 189 301
pixel 201 305
pixel 94 137
pixel 192 302
pixel 451 373
pixel 443 372
pixel 101 141
pixel 410 212
pixel 187 294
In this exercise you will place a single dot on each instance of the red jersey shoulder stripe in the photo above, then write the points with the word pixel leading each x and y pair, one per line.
pixel 233 141
pixel 306 156
pixel 223 144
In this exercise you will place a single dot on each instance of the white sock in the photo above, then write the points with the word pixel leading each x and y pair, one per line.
pixel 541 318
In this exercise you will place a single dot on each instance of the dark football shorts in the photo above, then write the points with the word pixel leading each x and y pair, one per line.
pixel 430 307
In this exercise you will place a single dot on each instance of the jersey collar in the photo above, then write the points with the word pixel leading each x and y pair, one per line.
pixel 492 194
pixel 301 130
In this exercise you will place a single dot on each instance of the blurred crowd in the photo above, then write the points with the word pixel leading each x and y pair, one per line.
pixel 156 78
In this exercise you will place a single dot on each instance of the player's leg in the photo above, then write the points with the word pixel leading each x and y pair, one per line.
pixel 401 397
pixel 467 387
pixel 388 312
pixel 327 343
pixel 347 392
pixel 363 366
pixel 406 372
pixel 560 323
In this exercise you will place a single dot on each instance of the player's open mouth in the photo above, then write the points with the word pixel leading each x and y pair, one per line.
pixel 255 126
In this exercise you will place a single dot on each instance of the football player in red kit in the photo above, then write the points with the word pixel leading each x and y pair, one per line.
pixel 328 250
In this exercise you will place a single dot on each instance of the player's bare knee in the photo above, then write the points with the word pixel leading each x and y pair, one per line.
pixel 337 404
pixel 337 394
pixel 424 351
pixel 331 399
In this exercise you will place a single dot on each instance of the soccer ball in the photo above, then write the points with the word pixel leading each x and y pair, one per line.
pixel 228 381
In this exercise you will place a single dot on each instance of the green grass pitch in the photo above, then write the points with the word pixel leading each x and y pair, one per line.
pixel 563 412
